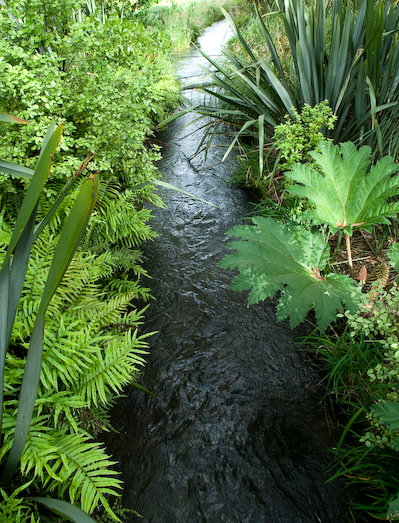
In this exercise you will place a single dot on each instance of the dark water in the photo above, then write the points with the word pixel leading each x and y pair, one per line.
pixel 237 434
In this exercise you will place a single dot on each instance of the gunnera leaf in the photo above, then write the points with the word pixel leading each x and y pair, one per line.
pixel 393 509
pixel 393 255
pixel 388 412
pixel 342 190
pixel 273 257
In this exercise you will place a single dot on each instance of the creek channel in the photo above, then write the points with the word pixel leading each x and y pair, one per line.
pixel 237 433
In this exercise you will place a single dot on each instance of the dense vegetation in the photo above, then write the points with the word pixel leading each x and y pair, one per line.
pixel 182 22
pixel 299 77
pixel 310 90
pixel 109 80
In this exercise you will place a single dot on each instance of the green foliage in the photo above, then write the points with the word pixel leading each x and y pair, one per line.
pixel 388 412
pixel 272 257
pixel 301 133
pixel 342 193
pixel 371 469
pixel 377 317
pixel 361 368
pixel 15 509
pixel 68 456
pixel 342 52
pixel 110 82
pixel 393 254
pixel 109 92
pixel 183 23
pixel 91 351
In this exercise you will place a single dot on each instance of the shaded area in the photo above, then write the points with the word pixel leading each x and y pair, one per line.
pixel 237 433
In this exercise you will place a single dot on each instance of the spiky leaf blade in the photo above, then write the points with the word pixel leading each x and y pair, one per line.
pixel 36 185
pixel 10 118
pixel 71 234
pixel 64 509
pixel 15 169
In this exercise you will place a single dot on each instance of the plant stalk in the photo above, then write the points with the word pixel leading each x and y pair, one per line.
pixel 349 251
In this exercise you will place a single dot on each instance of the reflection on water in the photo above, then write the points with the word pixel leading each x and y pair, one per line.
pixel 237 434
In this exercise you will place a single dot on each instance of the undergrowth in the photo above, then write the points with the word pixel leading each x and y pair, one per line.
pixel 358 356
pixel 183 22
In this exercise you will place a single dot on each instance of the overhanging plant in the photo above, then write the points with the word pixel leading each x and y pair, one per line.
pixel 12 276
pixel 342 193
pixel 273 257
pixel 343 52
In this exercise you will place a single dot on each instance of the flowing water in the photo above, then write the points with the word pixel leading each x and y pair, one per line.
pixel 237 434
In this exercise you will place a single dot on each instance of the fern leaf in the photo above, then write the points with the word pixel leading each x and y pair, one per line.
pixel 71 463
pixel 272 258
pixel 341 191
pixel 111 370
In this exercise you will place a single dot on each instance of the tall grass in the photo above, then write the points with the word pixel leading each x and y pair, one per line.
pixel 370 473
pixel 183 22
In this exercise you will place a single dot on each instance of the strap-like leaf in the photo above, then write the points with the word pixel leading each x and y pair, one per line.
pixel 4 301
pixel 35 188
pixel 173 188
pixel 12 279
pixel 70 238
pixel 12 119
pixel 15 170
pixel 64 509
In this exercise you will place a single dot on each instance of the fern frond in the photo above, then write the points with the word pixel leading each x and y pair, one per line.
pixel 116 367
pixel 124 284
pixel 71 464
pixel 122 223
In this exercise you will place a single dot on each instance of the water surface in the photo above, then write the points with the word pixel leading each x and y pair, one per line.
pixel 237 434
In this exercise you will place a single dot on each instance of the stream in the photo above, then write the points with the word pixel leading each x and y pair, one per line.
pixel 237 433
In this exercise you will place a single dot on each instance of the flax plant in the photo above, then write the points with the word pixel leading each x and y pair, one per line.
pixel 340 52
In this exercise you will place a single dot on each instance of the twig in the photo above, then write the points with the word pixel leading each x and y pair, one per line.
pixel 355 260
pixel 349 251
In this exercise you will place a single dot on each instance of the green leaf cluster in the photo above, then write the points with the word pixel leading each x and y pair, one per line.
pixel 344 52
pixel 302 133
pixel 110 82
pixel 91 350
pixel 343 191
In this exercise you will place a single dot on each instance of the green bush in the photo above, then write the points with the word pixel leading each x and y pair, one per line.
pixel 109 92
pixel 301 133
